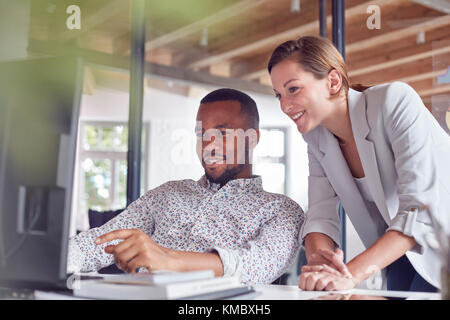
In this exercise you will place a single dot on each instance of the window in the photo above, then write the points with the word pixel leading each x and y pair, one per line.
pixel 103 165
pixel 270 159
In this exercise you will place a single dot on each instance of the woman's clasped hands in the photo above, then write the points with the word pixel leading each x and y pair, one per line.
pixel 326 271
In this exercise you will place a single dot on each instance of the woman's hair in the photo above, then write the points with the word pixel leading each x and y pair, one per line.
pixel 315 54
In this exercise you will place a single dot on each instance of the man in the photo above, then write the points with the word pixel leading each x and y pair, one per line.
pixel 225 221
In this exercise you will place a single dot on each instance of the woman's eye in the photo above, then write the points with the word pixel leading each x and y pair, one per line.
pixel 278 96
pixel 293 89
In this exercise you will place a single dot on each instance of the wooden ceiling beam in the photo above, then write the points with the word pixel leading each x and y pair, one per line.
pixel 423 76
pixel 266 80
pixel 420 69
pixel 173 73
pixel 435 90
pixel 418 76
pixel 423 85
pixel 221 16
pixel 358 27
pixel 398 34
pixel 222 69
pixel 397 62
pixel 432 24
pixel 271 42
pixel 398 48
pixel 161 56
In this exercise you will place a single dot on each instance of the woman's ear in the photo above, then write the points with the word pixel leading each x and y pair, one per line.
pixel 334 82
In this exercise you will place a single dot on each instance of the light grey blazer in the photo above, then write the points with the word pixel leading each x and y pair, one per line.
pixel 406 159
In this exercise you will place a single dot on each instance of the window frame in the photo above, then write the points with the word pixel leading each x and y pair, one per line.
pixel 111 155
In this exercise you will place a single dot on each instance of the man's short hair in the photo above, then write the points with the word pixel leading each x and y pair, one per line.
pixel 248 105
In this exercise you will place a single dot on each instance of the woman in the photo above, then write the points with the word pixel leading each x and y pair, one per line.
pixel 379 154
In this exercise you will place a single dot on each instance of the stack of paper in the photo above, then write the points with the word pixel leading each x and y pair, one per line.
pixel 161 285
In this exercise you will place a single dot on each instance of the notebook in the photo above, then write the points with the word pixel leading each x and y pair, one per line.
pixel 142 290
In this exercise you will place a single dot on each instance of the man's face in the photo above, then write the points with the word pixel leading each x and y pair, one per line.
pixel 221 145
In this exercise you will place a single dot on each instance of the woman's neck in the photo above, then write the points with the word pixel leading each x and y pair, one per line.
pixel 338 122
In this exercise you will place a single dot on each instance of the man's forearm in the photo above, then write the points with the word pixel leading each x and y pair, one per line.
pixel 190 261
pixel 388 248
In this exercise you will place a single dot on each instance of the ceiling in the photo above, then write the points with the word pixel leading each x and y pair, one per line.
pixel 228 42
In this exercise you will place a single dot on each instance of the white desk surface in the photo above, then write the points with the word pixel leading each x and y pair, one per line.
pixel 281 292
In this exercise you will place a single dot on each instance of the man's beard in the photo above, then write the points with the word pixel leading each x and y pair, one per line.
pixel 228 175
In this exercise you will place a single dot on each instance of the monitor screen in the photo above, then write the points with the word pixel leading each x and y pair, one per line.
pixel 39 110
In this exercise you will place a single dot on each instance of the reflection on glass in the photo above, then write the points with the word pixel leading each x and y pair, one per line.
pixel 339 296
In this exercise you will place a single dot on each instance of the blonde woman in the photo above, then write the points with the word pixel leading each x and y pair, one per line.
pixel 376 153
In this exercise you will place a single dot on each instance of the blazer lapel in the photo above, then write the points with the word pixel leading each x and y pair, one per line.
pixel 342 181
pixel 366 149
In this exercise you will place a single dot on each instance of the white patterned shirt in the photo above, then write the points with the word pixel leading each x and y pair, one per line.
pixel 254 232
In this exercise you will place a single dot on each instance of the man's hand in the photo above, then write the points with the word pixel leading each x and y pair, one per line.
pixel 137 250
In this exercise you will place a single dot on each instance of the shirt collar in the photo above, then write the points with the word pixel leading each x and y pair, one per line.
pixel 253 182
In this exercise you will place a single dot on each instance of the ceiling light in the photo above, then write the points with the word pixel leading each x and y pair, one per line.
pixel 421 37
pixel 295 5
pixel 204 37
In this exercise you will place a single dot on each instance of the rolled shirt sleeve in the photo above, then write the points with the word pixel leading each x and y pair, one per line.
pixel 411 224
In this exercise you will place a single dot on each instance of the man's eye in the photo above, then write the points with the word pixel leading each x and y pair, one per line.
pixel 199 134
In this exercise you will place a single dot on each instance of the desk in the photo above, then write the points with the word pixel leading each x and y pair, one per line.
pixel 280 292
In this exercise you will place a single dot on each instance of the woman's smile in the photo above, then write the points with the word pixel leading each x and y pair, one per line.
pixel 297 115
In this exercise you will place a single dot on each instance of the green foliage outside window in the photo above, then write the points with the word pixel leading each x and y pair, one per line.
pixel 104 166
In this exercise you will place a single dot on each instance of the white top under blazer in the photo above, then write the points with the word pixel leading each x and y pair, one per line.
pixel 405 155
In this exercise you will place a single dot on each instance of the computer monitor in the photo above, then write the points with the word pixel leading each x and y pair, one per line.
pixel 39 111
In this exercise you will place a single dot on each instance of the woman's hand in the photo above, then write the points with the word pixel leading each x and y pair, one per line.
pixel 324 278
pixel 334 259
pixel 326 270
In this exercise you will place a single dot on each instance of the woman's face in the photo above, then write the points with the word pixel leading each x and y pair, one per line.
pixel 302 97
